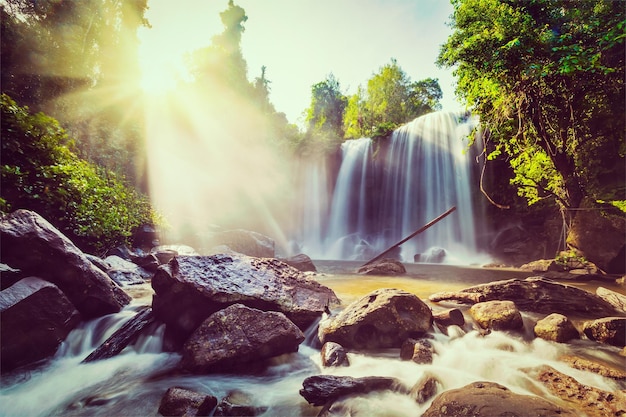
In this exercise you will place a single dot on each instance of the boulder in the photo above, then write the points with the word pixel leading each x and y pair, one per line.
pixel 449 317
pixel 556 328
pixel 601 368
pixel 244 242
pixel 333 354
pixel 384 318
pixel 419 351
pixel 322 389
pixel 543 265
pixel 617 300
pixel 425 388
pixel 590 400
pixel 191 288
pixel 37 248
pixel 125 272
pixel 8 276
pixel 497 315
pixel 183 402
pixel 301 262
pixel 238 403
pixel 35 317
pixel 598 235
pixel 238 336
pixel 383 267
pixel 534 294
pixel 487 399
pixel 609 330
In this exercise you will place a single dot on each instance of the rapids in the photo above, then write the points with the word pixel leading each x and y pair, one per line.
pixel 133 383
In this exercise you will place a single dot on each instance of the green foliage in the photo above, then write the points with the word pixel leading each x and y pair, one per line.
pixel 391 98
pixel 40 172
pixel 547 79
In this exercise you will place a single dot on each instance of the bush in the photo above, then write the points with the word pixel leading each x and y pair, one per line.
pixel 94 207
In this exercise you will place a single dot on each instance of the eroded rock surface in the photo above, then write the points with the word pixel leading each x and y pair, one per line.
pixel 556 328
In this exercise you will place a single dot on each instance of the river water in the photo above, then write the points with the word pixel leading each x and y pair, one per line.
pixel 133 383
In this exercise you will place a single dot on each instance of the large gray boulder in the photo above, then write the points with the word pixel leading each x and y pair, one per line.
pixel 384 318
pixel 35 317
pixel 488 399
pixel 191 288
pixel 32 244
pixel 237 336
pixel 534 294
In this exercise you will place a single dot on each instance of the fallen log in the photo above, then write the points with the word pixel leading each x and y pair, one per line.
pixel 122 337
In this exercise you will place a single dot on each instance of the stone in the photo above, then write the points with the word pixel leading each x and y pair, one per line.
pixel 333 354
pixel 8 276
pixel 125 272
pixel 425 388
pixel 419 351
pixel 609 330
pixel 488 399
pixel 32 244
pixel 542 265
pixel 35 317
pixel 179 401
pixel 617 300
pixel 384 318
pixel 383 267
pixel 497 315
pixel 238 336
pixel 244 241
pixel 598 235
pixel 535 294
pixel 238 403
pixel 605 369
pixel 301 262
pixel 590 400
pixel 449 317
pixel 191 288
pixel 556 328
pixel 322 389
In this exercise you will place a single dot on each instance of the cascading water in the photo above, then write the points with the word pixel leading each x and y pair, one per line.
pixel 384 191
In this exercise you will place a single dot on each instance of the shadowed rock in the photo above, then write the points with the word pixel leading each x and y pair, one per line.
pixel 321 389
pixel 610 330
pixel 333 354
pixel 183 402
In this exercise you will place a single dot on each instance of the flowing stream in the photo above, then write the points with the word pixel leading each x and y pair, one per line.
pixel 132 383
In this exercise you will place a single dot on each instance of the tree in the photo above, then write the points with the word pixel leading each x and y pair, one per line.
pixel 390 100
pixel 327 107
pixel 547 79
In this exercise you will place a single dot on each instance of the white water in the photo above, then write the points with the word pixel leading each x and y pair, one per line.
pixel 381 195
pixel 133 383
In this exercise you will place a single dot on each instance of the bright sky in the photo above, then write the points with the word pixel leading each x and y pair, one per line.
pixel 302 41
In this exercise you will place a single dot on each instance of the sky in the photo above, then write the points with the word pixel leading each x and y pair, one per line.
pixel 301 42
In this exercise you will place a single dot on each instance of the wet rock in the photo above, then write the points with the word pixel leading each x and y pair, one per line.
pixel 609 330
pixel 497 315
pixel 245 242
pixel 100 263
pixel 419 351
pixel 183 402
pixel 556 328
pixel 425 389
pixel 301 262
pixel 147 262
pixel 617 300
pixel 125 272
pixel 333 354
pixel 321 389
pixel 383 267
pixel 239 335
pixel 534 294
pixel 590 400
pixel 8 276
pixel 449 317
pixel 384 318
pixel 182 250
pixel 165 255
pixel 238 403
pixel 35 317
pixel 190 288
pixel 37 248
pixel 487 399
pixel 594 366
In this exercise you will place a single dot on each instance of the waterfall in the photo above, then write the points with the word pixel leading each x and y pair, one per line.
pixel 386 190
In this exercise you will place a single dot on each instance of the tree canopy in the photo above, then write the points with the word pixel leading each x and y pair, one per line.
pixel 547 79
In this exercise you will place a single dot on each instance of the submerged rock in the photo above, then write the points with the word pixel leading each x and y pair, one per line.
pixel 534 294
pixel 384 318
pixel 556 328
pixel 419 351
pixel 610 330
pixel 239 335
pixel 425 388
pixel 191 288
pixel 488 399
pixel 322 389
pixel 183 402
pixel 333 354
pixel 238 403
pixel 37 248
pixel 497 315
pixel 35 317
pixel 383 267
